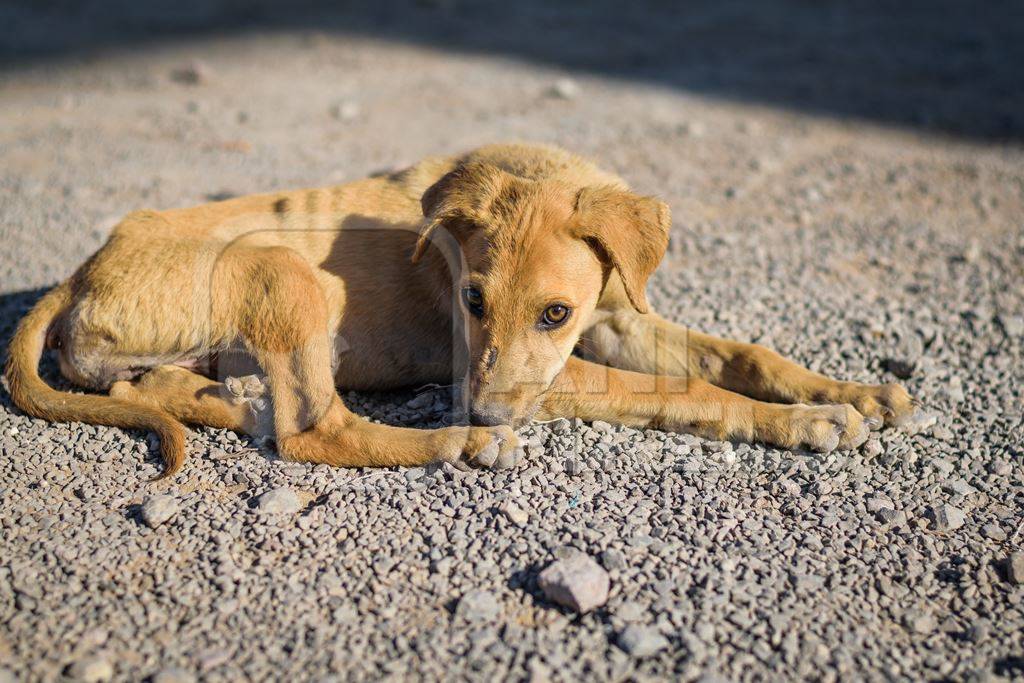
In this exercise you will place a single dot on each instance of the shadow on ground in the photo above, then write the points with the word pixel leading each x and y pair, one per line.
pixel 947 66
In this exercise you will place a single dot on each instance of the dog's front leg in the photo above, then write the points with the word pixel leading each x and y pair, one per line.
pixel 597 392
pixel 648 343
pixel 279 311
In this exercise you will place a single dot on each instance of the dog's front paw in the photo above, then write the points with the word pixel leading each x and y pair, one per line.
pixel 480 447
pixel 888 403
pixel 826 428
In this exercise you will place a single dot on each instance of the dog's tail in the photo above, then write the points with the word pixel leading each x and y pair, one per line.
pixel 30 393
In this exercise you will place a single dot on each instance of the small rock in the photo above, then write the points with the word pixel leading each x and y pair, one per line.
pixel 920 421
pixel 349 111
pixel 565 89
pixel 876 503
pixel 694 129
pixel 960 486
pixel 613 559
pixel 576 582
pixel 790 487
pixel 193 73
pixel 947 517
pixel 641 641
pixel 173 675
pixel 886 515
pixel 157 510
pixel 630 611
pixel 919 621
pixel 1000 468
pixel 1015 568
pixel 213 658
pixel 91 670
pixel 478 605
pixel 971 253
pixel 279 501
pixel 994 531
pixel 873 448
pixel 515 514
pixel 1013 325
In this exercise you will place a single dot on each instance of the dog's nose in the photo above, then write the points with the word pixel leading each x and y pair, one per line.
pixel 490 416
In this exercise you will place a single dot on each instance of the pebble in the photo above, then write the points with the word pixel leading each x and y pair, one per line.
pixel 173 675
pixel 1015 568
pixel 630 611
pixel 1013 325
pixel 565 89
pixel 641 641
pixel 573 467
pixel 947 517
pixel 159 509
pixel 348 110
pixel 515 514
pixel 478 605
pixel 195 72
pixel 919 621
pixel 91 670
pixel 613 559
pixel 577 582
pixel 919 422
pixel 279 501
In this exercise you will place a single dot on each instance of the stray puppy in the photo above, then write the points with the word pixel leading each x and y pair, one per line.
pixel 493 266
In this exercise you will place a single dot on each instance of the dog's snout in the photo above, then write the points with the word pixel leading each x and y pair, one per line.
pixel 490 416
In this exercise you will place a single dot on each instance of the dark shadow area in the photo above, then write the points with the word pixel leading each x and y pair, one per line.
pixel 944 65
pixel 13 307
pixel 1011 666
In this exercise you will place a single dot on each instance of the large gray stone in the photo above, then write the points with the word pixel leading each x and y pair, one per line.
pixel 159 509
pixel 577 582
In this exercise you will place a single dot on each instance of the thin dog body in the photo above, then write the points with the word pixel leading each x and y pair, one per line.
pixel 354 287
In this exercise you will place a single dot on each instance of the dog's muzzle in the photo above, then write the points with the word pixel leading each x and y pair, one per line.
pixel 490 416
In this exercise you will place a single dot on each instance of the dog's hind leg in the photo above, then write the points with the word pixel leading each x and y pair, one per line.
pixel 650 344
pixel 188 396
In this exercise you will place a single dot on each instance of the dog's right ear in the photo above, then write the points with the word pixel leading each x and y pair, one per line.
pixel 461 200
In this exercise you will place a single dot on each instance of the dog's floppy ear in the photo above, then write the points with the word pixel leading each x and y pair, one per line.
pixel 629 233
pixel 461 199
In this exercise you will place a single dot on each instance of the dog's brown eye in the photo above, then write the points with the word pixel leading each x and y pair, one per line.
pixel 554 315
pixel 473 300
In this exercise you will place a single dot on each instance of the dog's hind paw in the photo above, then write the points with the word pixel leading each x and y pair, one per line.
pixel 248 389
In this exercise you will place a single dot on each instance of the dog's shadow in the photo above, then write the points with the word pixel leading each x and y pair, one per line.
pixel 13 307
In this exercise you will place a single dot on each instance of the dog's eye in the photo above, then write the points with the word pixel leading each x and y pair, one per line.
pixel 473 300
pixel 554 316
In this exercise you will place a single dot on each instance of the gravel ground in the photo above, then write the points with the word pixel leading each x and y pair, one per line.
pixel 859 250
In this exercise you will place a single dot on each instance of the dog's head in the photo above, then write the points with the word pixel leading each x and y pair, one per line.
pixel 537 255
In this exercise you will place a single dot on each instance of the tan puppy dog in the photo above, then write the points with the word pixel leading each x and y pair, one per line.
pixel 361 286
